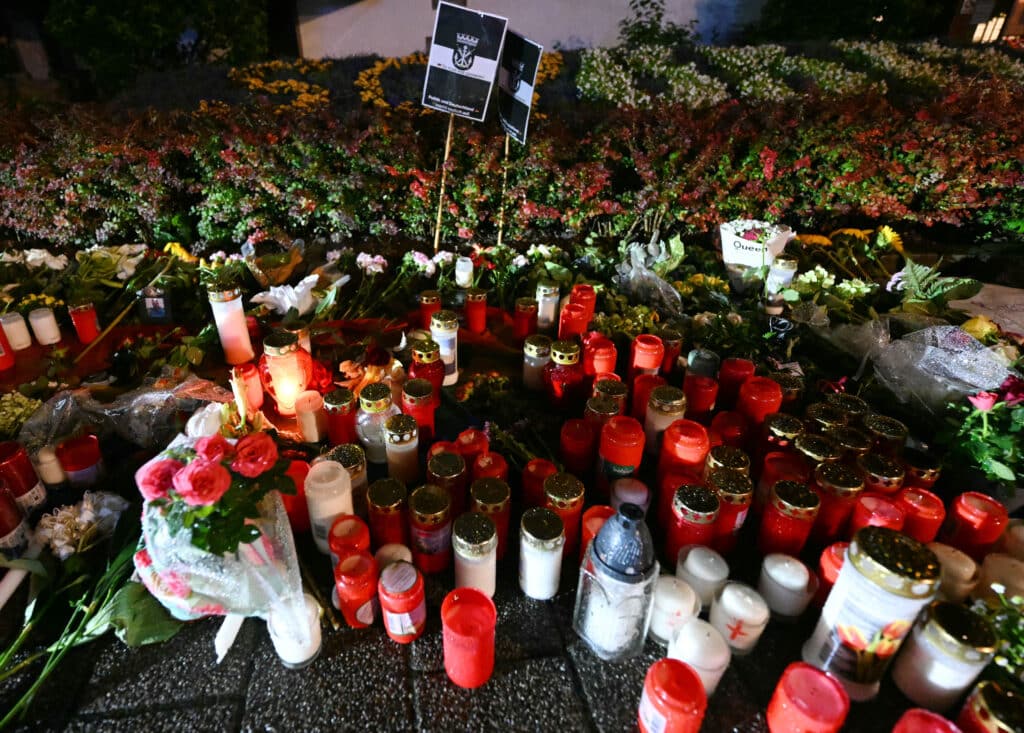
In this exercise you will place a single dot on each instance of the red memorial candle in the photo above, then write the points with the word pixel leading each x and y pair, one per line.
pixel 807 700
pixel 646 355
pixel 427 364
pixel 492 496
pixel 643 385
pixel 563 376
pixel 430 528
pixel 534 474
pixel 880 473
pixel 430 303
pixel 386 499
pixel 489 465
pixel 701 395
pixel 837 487
pixel 779 466
pixel 694 511
pixel 732 373
pixel 924 513
pixel 758 398
pixel 919 720
pixel 348 532
pixel 341 405
pixel 729 428
pixel 355 578
pixel 974 523
pixel 673 342
pixel 829 565
pixel 673 699
pixel 593 519
pixel 419 403
pixel 85 321
pixel 476 310
pixel 599 356
pixel 572 322
pixel 620 450
pixel 735 493
pixel 468 618
pixel 788 518
pixel 471 443
pixel 922 470
pixel 684 447
pixel 448 472
pixel 563 493
pixel 578 444
pixel 871 509
pixel 403 602
pixel 584 295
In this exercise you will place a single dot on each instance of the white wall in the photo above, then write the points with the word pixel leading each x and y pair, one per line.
pixel 398 27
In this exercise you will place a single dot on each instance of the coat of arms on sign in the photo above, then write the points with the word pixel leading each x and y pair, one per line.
pixel 465 51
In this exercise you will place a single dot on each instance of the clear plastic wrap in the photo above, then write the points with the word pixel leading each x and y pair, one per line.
pixel 635 276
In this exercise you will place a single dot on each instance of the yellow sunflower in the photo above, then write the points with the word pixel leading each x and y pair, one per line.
pixel 814 240
pixel 886 237
pixel 861 234
pixel 174 249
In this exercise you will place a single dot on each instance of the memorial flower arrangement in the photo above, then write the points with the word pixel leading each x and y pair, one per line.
pixel 1007 616
pixel 986 432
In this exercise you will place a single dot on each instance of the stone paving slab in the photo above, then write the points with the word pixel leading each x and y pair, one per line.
pixel 202 717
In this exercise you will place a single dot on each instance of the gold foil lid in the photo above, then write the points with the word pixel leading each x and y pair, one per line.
pixel 1000 709
pixel 611 388
pixel 732 486
pixel 445 320
pixel 851 405
pixel 537 345
pixel 418 391
pixel 375 397
pixel 696 504
pixel 386 495
pixel 959 632
pixel 727 456
pixel 476 295
pixel 223 296
pixel 547 288
pixel 602 405
pixel 795 500
pixel 430 297
pixel 446 465
pixel 429 504
pixel 490 495
pixel 474 535
pixel 817 448
pixel 400 429
pixel 881 469
pixel 838 479
pixel 850 439
pixel 341 399
pixel 783 426
pixel 426 351
pixel 563 490
pixel 350 455
pixel 671 336
pixel 280 343
pixel 666 398
pixel 825 416
pixel 792 385
pixel 920 464
pixel 884 427
pixel 543 528
pixel 895 562
pixel 565 352
pixel 526 304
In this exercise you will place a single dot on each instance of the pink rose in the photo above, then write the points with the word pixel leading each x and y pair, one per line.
pixel 1013 390
pixel 154 478
pixel 202 483
pixel 255 454
pixel 983 401
pixel 214 448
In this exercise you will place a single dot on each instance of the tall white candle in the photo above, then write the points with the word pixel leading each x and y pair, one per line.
pixel 740 615
pixel 675 602
pixel 699 644
pixel 296 645
pixel 704 570
pixel 444 329
pixel 786 585
pixel 328 494
pixel 541 541
pixel 309 413
pixel 229 315
pixel 464 272
pixel 44 326
pixel 16 331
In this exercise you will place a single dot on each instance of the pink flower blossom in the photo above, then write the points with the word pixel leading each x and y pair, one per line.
pixel 255 454
pixel 983 401
pixel 154 479
pixel 214 448
pixel 1013 390
pixel 202 482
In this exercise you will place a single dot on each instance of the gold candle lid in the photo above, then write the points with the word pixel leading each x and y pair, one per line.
pixel 490 495
pixel 537 345
pixel 796 500
pixel 881 469
pixel 851 405
pixel 386 495
pixel 817 448
pixel 850 440
pixel 445 320
pixel 838 479
pixel 476 295
pixel 542 528
pixel 783 426
pixel 418 391
pixel 885 427
pixel 824 416
pixel 430 297
pixel 1002 710
pixel 526 304
pixel 429 504
pixel 474 535
pixel 446 465
pixel 732 487
pixel 547 287
pixel 400 429
pixel 671 336
pixel 350 455
pixel 563 490
pixel 565 352
pixel 341 400
pixel 792 385
pixel 280 343
pixel 696 504
pixel 375 397
pixel 727 456
pixel 896 562
pixel 668 399
pixel 221 296
pixel 426 351
pixel 611 388
pixel 959 632
pixel 603 406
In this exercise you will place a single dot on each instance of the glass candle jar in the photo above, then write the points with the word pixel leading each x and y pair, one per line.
pixel 665 405
pixel 646 354
pixel 463 272
pixel 729 428
pixel 328 495
pixel 375 407
pixel 563 494
pixel 476 310
pixel 740 615
pixel 352 457
pixel 960 574
pixel 786 585
pixel 672 340
pixel 584 295
pixel 18 473
pixel 630 491
pixel 418 402
pixel 620 450
pixel 444 329
pixel 430 303
pixel 492 496
pixel 919 720
pixel 547 305
pixel 340 407
pixel 232 329
pixel 889 435
pixel 615 595
pixel 974 523
pixel 296 637
pixel 758 398
pixel 642 387
pixel 403 603
pixel 732 373
pixel 886 580
pixel 850 405
pixel 788 518
pixel 991 709
pixel 86 322
pixel 599 356
pixel 881 474
pixel 348 532
pixel 427 364
pixel 675 602
pixel 468 618
pixel 81 461
pixel 608 384
pixel 285 369
pixel 822 418
pixel 817 449
pixel 947 650
pixel 698 644
pixel 923 512
pixel 534 474
pixel 921 469
pixel 694 511
pixel 401 445
pixel 247 387
pixel 16 331
pixel 564 378
pixel 684 447
pixel 387 512
pixel 430 528
pixel 541 542
pixel 355 578
pixel 600 410
pixel 838 487
pixel 448 472
pixel 807 700
pixel 475 542
pixel 673 699
pixel 701 396
pixel 874 510
pixel 310 415
pixel 47 332
pixel 704 570
pixel 524 320
pixel 571 322
pixel 735 493
pixel 536 356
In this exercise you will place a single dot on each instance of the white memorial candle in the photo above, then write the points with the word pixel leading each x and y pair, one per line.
pixel 328 494
pixel 630 491
pixel 786 585
pixel 309 413
pixel 464 272
pixel 699 644
pixel 675 602
pixel 297 647
pixel 392 552
pixel 229 315
pixel 44 326
pixel 740 615
pixel 16 331
pixel 959 573
pixel 401 446
pixel 704 570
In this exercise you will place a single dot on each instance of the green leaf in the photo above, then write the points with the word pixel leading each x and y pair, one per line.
pixel 1001 470
pixel 35 567
pixel 139 619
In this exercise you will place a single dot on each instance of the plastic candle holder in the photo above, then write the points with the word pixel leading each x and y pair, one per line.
pixel 684 447
pixel 630 491
pixel 348 532
pixel 729 428
pixel 475 545
pixel 563 377
pixel 285 369
pixel 340 406
pixel 599 356
pixel 643 385
pixel 492 496
pixel 695 510
pixel 758 398
pixel 86 322
pixel 13 527
pixel 311 417
pixel 924 513
pixel 17 471
pixel 328 495
pixel 536 355
pixel 403 602
pixel 463 272
pixel 430 303
pixel 673 342
pixel 430 528
pixel 547 304
pixel 448 472
pixel 444 329
pixel 541 540
pixel 476 310
pixel 534 474
pixel 620 450
pixel 610 384
pixel 232 328
pixel 874 510
pixel 740 614
pixel 468 618
pixel 673 699
pixel 584 295
pixel 922 470
pixel 564 496
pixel 646 354
pixel 974 523
pixel 919 720
pixel 578 444
pixel 81 460
pixel 829 565
pixel 391 553
pixel 807 700
pixel 387 499
pixel 991 709
pixel 427 364
pixel 419 403
pixel 838 487
pixel 572 322
pixel 779 466
pixel 524 321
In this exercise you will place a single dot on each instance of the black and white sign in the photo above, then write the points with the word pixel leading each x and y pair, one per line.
pixel 463 63
pixel 516 77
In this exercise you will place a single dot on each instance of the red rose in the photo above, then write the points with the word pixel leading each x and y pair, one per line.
pixel 214 448
pixel 202 483
pixel 255 454
pixel 154 478
pixel 983 401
